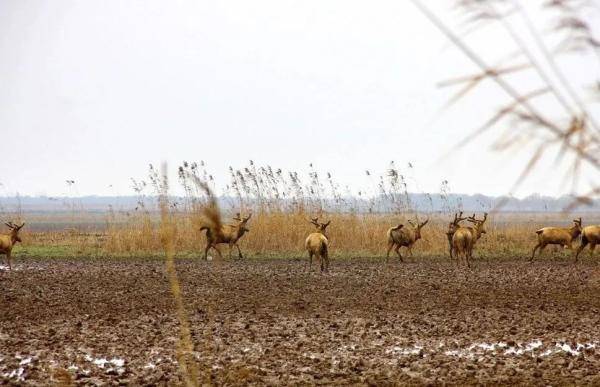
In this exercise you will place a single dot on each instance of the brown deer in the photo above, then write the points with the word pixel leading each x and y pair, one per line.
pixel 589 235
pixel 229 233
pixel 452 227
pixel 7 242
pixel 464 238
pixel 402 236
pixel 317 244
pixel 563 236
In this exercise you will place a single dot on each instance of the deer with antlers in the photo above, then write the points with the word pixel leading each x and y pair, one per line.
pixel 563 236
pixel 452 227
pixel 229 233
pixel 8 241
pixel 403 236
pixel 464 238
pixel 317 244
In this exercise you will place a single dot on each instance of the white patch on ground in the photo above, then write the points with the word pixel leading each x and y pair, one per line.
pixel 532 348
pixel 114 364
pixel 15 374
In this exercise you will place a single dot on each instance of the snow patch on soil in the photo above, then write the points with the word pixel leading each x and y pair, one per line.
pixel 114 364
pixel 532 348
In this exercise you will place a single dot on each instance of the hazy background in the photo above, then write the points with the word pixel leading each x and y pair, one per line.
pixel 94 91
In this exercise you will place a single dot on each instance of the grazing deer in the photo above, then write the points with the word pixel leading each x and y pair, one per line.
pixel 464 238
pixel 591 235
pixel 229 233
pixel 563 236
pixel 317 244
pixel 7 242
pixel 452 227
pixel 401 236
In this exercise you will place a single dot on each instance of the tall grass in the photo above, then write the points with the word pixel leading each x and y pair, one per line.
pixel 282 204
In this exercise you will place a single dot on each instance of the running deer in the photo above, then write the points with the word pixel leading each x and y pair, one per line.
pixel 229 233
pixel 464 238
pixel 452 227
pixel 563 236
pixel 402 236
pixel 8 241
pixel 589 235
pixel 317 244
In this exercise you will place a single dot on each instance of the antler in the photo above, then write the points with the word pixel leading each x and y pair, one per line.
pixel 458 218
pixel 237 217
pixel 10 225
pixel 314 221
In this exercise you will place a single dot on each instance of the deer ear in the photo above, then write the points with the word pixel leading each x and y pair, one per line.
pixel 325 225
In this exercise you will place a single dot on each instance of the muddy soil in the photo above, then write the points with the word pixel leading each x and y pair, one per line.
pixel 271 322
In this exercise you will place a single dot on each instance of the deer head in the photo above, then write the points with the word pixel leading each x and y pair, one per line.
pixel 452 226
pixel 14 231
pixel 478 223
pixel 242 222
pixel 320 226
pixel 418 227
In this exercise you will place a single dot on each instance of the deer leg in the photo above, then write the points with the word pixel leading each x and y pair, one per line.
pixel 8 259
pixel 584 242
pixel 310 257
pixel 534 249
pixel 397 249
pixel 326 260
pixel 239 251
pixel 230 248
pixel 592 247
pixel 218 251
pixel 208 246
pixel 389 248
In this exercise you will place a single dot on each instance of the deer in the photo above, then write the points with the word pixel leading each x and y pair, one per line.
pixel 464 238
pixel 452 227
pixel 563 236
pixel 8 241
pixel 229 233
pixel 317 244
pixel 402 236
pixel 589 235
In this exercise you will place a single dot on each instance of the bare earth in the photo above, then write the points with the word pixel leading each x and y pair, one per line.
pixel 270 322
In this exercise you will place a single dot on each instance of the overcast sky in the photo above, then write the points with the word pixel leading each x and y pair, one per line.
pixel 94 91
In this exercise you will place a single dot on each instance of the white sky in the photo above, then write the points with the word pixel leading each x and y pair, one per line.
pixel 95 91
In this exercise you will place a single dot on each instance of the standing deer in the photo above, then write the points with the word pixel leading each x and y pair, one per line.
pixel 7 242
pixel 401 236
pixel 317 244
pixel 591 235
pixel 229 233
pixel 452 227
pixel 563 236
pixel 464 238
